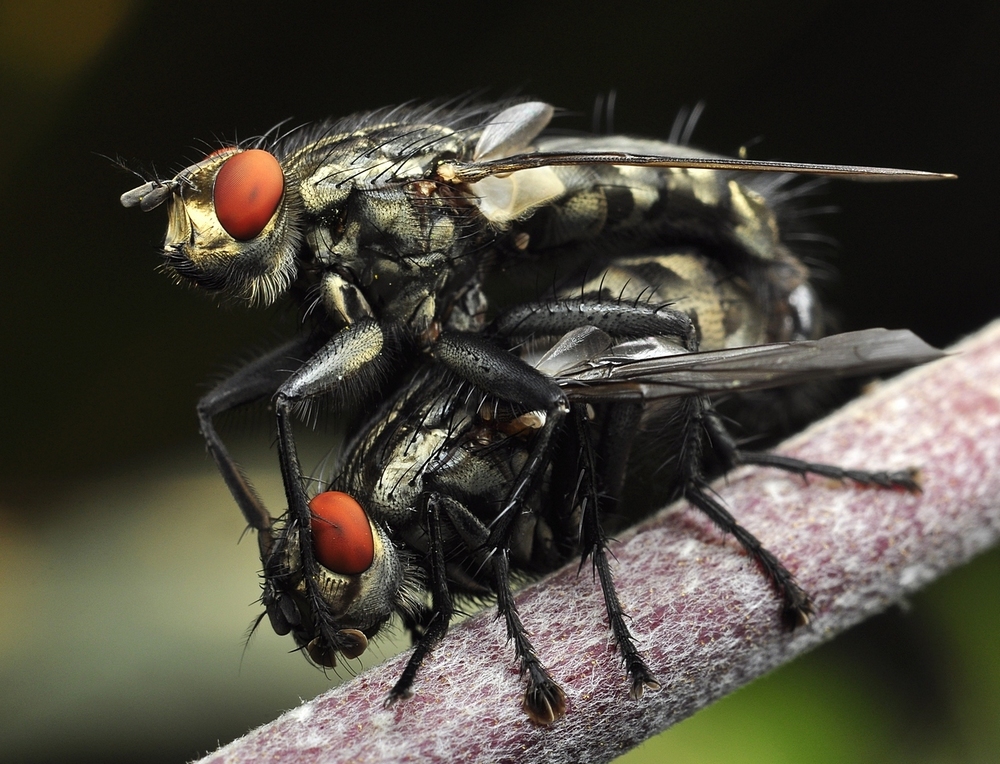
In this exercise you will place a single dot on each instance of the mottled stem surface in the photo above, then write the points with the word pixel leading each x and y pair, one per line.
pixel 703 615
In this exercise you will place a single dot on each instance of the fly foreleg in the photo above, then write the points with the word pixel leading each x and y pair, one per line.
pixel 345 367
pixel 544 701
pixel 257 380
pixel 495 371
pixel 442 606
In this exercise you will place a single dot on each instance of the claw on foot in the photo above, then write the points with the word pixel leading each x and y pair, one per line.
pixel 642 683
pixel 544 702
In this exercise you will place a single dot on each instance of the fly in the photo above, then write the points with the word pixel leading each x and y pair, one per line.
pixel 385 228
pixel 428 476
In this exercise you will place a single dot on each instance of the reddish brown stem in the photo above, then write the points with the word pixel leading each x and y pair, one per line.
pixel 705 618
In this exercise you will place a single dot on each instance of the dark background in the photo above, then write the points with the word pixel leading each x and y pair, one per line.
pixel 104 357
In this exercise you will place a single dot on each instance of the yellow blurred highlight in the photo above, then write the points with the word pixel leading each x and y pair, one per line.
pixel 48 41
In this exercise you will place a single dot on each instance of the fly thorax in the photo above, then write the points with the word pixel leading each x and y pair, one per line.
pixel 394 495
pixel 399 250
pixel 335 245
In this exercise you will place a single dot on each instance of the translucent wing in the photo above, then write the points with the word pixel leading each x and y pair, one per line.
pixel 474 172
pixel 588 364
pixel 512 130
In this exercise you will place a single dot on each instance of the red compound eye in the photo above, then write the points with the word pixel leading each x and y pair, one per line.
pixel 342 536
pixel 248 189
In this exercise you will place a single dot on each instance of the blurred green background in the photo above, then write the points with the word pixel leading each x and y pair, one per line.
pixel 124 591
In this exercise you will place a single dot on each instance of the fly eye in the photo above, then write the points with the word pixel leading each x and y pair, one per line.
pixel 342 535
pixel 248 188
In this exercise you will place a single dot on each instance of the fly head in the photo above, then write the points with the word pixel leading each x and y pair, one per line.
pixel 339 594
pixel 233 227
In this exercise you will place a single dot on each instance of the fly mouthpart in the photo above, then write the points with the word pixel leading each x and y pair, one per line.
pixel 321 654
pixel 354 644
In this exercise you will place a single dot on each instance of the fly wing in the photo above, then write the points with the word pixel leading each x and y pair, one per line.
pixel 512 130
pixel 649 369
pixel 475 171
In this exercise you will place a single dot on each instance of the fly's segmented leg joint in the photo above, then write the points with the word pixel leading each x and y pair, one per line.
pixel 255 381
pixel 635 665
pixel 797 608
pixel 544 700
pixel 906 479
pixel 496 371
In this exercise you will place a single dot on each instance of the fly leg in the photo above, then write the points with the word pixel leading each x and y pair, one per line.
pixel 416 623
pixel 348 364
pixel 621 319
pixel 734 456
pixel 544 701
pixel 257 380
pixel 625 320
pixel 616 443
pixel 496 371
pixel 442 606
pixel 796 605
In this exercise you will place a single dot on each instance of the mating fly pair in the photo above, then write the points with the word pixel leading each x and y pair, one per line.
pixel 388 228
